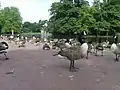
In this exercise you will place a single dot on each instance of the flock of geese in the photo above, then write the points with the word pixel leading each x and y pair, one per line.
pixel 72 49
pixel 76 52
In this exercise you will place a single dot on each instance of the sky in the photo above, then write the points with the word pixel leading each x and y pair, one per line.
pixel 31 10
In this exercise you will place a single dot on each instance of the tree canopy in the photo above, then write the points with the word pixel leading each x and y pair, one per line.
pixel 68 17
pixel 10 19
pixel 34 27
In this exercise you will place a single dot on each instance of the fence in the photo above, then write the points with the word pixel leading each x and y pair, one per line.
pixel 88 38
pixel 95 39
pixel 103 38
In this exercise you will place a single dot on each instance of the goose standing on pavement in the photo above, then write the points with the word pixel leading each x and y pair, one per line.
pixel 115 48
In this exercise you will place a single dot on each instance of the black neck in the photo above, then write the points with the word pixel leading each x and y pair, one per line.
pixel 81 38
pixel 116 40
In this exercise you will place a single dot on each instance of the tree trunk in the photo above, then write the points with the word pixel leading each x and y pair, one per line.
pixel 12 32
pixel 107 35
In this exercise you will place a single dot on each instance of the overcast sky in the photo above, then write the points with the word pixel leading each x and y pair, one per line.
pixel 31 10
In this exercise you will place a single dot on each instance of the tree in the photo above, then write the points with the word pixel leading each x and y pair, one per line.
pixel 108 16
pixel 11 19
pixel 33 27
pixel 71 16
pixel 68 18
pixel 26 27
pixel 0 20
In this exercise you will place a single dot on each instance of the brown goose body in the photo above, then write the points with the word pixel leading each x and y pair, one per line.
pixel 74 53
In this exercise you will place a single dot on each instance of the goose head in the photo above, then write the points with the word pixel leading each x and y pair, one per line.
pixel 114 46
pixel 115 39
pixel 81 38
pixel 61 53
pixel 90 42
pixel 99 40
pixel 67 41
pixel 84 45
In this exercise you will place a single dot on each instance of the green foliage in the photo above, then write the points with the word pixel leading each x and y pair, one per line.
pixel 34 27
pixel 102 18
pixel 68 18
pixel 10 19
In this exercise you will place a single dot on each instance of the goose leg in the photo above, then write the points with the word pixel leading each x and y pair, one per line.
pixel 117 58
pixel 70 65
pixel 87 55
pixel 74 65
pixel 96 53
pixel 102 53
pixel 94 50
pixel 6 58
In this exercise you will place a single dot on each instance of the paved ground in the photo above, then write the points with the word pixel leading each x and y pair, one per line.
pixel 36 69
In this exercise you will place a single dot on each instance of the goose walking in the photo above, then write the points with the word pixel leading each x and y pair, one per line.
pixel 3 47
pixel 115 48
pixel 77 53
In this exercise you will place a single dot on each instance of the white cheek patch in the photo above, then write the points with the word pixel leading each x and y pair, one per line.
pixel 62 57
pixel 85 33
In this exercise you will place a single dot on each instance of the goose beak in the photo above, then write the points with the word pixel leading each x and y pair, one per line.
pixel 55 54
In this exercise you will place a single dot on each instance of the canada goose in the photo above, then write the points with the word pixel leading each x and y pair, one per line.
pixel 11 38
pixel 26 38
pixel 17 40
pixel 1 36
pixel 67 43
pixel 37 42
pixel 60 45
pixel 99 47
pixel 22 43
pixel 89 48
pixel 74 54
pixel 46 47
pixel 3 47
pixel 115 48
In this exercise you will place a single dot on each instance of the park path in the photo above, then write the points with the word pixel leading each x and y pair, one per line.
pixel 35 69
